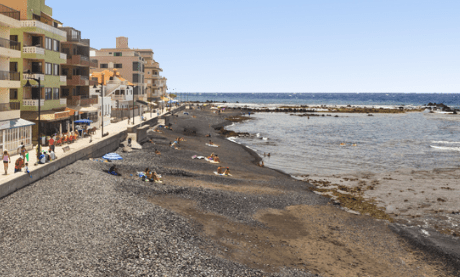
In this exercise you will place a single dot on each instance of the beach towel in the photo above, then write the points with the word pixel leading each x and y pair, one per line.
pixel 215 172
pixel 212 145
pixel 211 161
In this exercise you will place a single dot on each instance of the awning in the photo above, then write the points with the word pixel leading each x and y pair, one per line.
pixel 72 111
pixel 142 102
pixel 16 123
pixel 89 110
pixel 45 116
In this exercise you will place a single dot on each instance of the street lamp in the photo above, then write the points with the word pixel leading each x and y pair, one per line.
pixel 102 108
pixel 28 85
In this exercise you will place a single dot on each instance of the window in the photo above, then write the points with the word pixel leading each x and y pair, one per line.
pixel 14 137
pixel 56 70
pixel 56 45
pixel 136 66
pixel 49 44
pixel 48 95
pixel 118 65
pixel 48 69
pixel 55 93
pixel 117 54
pixel 110 53
pixel 136 78
pixel 13 66
pixel 13 93
pixel 104 65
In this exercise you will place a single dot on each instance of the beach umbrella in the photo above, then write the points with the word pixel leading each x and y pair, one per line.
pixel 84 121
pixel 112 156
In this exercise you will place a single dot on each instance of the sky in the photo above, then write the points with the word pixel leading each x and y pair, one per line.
pixel 283 46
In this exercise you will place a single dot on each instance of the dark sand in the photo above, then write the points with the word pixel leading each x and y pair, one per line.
pixel 81 221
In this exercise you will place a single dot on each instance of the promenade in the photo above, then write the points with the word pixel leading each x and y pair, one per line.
pixel 113 130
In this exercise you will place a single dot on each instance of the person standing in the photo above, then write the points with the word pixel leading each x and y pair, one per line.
pixel 5 159
pixel 51 143
pixel 25 153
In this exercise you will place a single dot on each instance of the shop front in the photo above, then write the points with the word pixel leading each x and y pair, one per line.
pixel 13 133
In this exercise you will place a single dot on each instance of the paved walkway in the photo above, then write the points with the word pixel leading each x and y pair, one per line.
pixel 81 143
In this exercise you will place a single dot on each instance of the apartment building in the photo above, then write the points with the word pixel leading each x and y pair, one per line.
pixel 77 71
pixel 155 85
pixel 41 58
pixel 128 62
pixel 118 93
pixel 13 129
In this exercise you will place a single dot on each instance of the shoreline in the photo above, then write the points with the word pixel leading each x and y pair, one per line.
pixel 258 222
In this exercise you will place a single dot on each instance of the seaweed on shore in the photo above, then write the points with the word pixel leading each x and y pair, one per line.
pixel 350 198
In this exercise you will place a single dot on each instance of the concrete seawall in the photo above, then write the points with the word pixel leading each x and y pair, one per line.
pixel 94 150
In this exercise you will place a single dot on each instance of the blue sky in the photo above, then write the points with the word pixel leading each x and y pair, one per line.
pixel 284 46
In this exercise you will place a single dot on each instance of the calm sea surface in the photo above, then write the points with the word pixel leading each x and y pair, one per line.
pixel 417 99
pixel 299 145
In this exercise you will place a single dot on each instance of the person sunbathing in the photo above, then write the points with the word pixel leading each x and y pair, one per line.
pixel 211 143
pixel 211 157
pixel 156 177
pixel 157 152
pixel 208 135
pixel 342 144
pixel 216 159
pixel 219 170
pixel 261 164
pixel 227 171
pixel 113 170
pixel 151 141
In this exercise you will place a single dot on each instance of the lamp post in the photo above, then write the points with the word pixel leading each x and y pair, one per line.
pixel 102 108
pixel 28 85
pixel 133 104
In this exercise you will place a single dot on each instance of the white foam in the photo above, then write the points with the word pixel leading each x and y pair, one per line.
pixel 446 142
pixel 446 148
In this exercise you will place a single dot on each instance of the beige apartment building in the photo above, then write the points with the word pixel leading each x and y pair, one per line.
pixel 128 62
pixel 13 129
pixel 155 85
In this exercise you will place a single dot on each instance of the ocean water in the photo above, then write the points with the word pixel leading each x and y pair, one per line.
pixel 415 99
pixel 384 142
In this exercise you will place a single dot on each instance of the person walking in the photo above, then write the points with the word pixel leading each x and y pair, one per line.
pixel 25 153
pixel 5 159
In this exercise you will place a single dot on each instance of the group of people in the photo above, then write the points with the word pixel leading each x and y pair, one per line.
pixel 19 164
pixel 152 176
pixel 214 157
pixel 220 170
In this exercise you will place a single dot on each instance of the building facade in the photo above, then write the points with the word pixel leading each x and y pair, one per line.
pixel 41 58
pixel 13 129
pixel 128 62
pixel 155 85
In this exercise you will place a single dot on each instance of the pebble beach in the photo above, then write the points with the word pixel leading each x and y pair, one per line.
pixel 82 221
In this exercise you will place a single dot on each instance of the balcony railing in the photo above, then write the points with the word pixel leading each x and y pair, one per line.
pixel 9 76
pixel 43 26
pixel 15 106
pixel 84 58
pixel 88 101
pixel 32 102
pixel 63 101
pixel 7 11
pixel 33 50
pixel 6 43
pixel 63 56
pixel 83 77
pixel 63 78
pixel 37 75
pixel 4 107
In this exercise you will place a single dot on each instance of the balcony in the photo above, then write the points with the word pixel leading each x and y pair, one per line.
pixel 63 56
pixel 93 63
pixel 43 26
pixel 88 101
pixel 78 60
pixel 36 75
pixel 118 97
pixel 13 45
pixel 77 80
pixel 33 50
pixel 9 79
pixel 46 105
pixel 32 102
pixel 6 113
pixel 7 11
pixel 63 79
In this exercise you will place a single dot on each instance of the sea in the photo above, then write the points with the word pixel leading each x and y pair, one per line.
pixel 327 145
